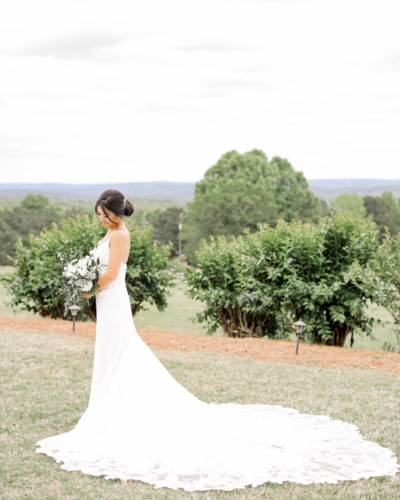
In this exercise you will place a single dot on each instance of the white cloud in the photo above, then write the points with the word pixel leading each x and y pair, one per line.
pixel 139 91
pixel 90 46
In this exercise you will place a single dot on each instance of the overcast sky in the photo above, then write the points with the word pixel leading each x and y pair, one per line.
pixel 129 90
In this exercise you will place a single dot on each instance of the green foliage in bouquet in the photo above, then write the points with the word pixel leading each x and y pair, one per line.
pixel 261 283
pixel 35 286
pixel 78 275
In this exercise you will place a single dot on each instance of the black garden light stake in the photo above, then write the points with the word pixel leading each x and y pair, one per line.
pixel 299 328
pixel 74 311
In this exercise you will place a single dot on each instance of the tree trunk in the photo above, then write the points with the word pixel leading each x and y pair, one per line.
pixel 91 312
pixel 339 335
pixel 222 321
pixel 237 324
pixel 135 308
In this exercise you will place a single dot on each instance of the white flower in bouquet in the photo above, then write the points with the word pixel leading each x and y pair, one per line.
pixel 79 276
pixel 88 286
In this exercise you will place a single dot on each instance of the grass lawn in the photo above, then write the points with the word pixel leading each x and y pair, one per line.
pixel 180 310
pixel 4 297
pixel 176 318
pixel 45 382
pixel 379 334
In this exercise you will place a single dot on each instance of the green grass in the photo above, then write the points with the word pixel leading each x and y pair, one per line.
pixel 380 334
pixel 4 298
pixel 45 382
pixel 180 310
pixel 176 318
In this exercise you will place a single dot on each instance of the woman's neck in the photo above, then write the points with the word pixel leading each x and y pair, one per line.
pixel 120 226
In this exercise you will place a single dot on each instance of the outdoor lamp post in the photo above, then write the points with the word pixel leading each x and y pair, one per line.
pixel 299 328
pixel 74 311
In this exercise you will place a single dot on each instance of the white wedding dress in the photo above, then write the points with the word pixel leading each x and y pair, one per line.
pixel 141 424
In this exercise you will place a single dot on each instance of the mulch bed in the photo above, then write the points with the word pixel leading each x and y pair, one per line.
pixel 280 351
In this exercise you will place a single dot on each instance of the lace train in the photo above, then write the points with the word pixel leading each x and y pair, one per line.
pixel 235 446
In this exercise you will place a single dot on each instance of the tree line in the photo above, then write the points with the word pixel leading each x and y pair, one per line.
pixel 30 216
pixel 237 193
pixel 243 190
pixel 383 210
pixel 36 212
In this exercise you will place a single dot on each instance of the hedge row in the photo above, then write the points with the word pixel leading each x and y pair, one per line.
pixel 260 283
pixel 35 286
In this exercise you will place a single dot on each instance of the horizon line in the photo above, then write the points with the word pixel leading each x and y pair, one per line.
pixel 354 179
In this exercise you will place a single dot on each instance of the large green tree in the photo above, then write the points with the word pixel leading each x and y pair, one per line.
pixel 384 211
pixel 35 202
pixel 241 191
pixel 349 201
pixel 166 226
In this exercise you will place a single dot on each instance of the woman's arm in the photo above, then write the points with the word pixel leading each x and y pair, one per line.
pixel 117 252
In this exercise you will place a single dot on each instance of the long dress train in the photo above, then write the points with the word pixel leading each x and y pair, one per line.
pixel 141 424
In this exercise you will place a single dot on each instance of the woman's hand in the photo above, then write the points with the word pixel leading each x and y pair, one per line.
pixel 88 295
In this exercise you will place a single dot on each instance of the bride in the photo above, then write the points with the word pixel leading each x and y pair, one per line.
pixel 141 424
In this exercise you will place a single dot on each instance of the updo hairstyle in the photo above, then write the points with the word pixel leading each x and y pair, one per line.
pixel 114 201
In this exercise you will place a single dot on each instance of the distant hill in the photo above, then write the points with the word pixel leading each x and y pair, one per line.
pixel 182 191
pixel 327 188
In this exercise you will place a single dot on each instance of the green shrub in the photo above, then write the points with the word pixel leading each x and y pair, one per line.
pixel 217 283
pixel 380 279
pixel 35 285
pixel 261 283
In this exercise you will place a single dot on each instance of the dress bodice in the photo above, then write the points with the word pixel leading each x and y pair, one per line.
pixel 117 289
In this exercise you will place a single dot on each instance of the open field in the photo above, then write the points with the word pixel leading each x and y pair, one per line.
pixel 180 310
pixel 45 382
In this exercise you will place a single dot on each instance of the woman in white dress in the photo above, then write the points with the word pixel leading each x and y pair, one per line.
pixel 141 424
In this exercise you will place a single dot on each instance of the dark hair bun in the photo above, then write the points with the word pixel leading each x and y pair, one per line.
pixel 128 210
pixel 114 201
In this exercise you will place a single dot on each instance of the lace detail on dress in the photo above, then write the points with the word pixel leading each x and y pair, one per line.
pixel 246 445
pixel 142 424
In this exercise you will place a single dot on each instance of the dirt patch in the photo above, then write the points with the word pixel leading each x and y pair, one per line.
pixel 281 351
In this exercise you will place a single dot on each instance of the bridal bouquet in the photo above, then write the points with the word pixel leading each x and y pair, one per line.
pixel 78 276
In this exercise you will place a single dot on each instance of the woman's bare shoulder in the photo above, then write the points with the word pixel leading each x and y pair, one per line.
pixel 117 238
